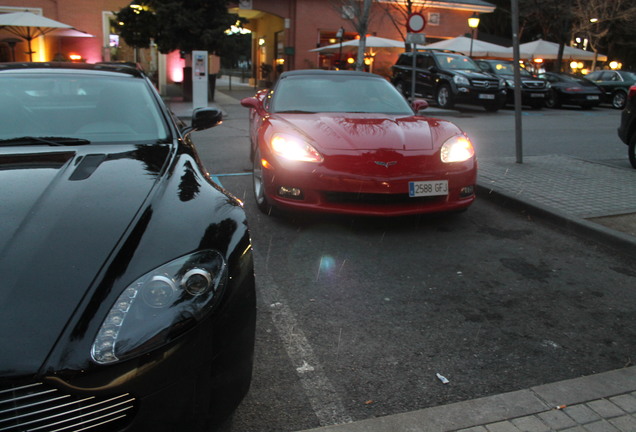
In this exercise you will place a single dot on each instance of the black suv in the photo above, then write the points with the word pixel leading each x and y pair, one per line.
pixel 448 77
pixel 627 129
pixel 533 90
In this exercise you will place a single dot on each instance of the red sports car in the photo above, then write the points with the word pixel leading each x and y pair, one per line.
pixel 348 142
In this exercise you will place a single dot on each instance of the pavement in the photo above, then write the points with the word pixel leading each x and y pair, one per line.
pixel 590 199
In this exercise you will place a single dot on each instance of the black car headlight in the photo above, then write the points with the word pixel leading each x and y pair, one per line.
pixel 160 305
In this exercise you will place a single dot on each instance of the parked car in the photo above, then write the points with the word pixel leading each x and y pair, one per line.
pixel 533 90
pixel 627 128
pixel 347 142
pixel 569 89
pixel 127 287
pixel 448 78
pixel 615 85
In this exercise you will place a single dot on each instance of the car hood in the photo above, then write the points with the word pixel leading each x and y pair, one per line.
pixel 359 131
pixel 476 75
pixel 63 213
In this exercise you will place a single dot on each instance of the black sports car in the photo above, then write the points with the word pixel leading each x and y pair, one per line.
pixel 127 296
pixel 569 89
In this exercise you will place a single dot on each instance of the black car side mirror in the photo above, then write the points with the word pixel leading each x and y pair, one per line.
pixel 204 118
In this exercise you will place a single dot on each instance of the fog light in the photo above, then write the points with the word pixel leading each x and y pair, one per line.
pixel 466 191
pixel 290 192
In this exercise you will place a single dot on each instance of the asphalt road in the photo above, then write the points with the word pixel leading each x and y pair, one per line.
pixel 358 316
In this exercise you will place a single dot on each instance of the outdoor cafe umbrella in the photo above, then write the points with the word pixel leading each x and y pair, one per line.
pixel 550 51
pixel 353 44
pixel 480 48
pixel 29 26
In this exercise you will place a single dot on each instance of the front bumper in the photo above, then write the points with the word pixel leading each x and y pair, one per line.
pixel 373 193
pixel 478 96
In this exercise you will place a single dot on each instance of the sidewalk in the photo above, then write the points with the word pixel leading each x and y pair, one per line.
pixel 577 195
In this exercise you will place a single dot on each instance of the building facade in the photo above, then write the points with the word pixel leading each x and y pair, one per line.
pixel 283 33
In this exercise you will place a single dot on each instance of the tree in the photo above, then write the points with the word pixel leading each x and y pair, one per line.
pixel 399 12
pixel 358 12
pixel 594 20
pixel 184 25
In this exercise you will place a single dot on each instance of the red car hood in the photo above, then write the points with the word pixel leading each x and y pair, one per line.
pixel 364 131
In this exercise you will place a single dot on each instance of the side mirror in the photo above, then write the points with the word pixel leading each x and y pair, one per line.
pixel 433 69
pixel 419 105
pixel 254 103
pixel 204 118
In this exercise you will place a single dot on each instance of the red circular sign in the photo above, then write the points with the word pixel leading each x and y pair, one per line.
pixel 416 22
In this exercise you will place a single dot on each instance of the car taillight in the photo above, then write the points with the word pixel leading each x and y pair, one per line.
pixel 632 92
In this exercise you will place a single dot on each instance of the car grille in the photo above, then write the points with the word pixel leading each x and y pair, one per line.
pixel 378 199
pixel 485 84
pixel 533 84
pixel 38 407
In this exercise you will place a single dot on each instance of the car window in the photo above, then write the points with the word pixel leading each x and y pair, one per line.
pixel 99 108
pixel 346 93
pixel 456 62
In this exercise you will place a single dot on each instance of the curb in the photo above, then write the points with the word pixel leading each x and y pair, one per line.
pixel 621 242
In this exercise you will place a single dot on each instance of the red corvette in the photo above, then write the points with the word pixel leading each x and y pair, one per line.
pixel 348 142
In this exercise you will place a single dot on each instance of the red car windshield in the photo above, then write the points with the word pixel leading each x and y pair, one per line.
pixel 346 93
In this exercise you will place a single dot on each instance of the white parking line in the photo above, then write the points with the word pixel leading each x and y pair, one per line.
pixel 321 394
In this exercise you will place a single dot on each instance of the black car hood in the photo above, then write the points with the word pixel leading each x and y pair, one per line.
pixel 62 214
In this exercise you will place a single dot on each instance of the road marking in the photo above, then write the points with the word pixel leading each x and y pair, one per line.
pixel 216 177
pixel 321 394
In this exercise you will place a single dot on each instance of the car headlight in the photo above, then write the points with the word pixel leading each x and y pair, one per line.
pixel 160 305
pixel 502 83
pixel 511 83
pixel 457 149
pixel 548 85
pixel 461 80
pixel 294 148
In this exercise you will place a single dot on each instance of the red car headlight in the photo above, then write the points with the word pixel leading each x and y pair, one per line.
pixel 294 149
pixel 457 149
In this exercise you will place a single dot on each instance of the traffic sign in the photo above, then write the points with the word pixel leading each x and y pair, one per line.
pixel 416 22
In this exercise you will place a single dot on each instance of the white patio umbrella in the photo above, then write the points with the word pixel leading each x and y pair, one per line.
pixel 480 48
pixel 29 26
pixel 352 45
pixel 550 51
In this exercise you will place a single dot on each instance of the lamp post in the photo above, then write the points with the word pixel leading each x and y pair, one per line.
pixel 473 23
pixel 340 35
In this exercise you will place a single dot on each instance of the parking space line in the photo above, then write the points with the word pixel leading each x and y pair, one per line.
pixel 216 178
pixel 321 394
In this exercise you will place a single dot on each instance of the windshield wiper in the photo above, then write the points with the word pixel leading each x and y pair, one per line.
pixel 52 141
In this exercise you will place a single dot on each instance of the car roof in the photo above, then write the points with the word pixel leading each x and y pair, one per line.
pixel 125 68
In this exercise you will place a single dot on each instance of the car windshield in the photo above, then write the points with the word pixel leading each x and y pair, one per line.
pixel 456 62
pixel 338 93
pixel 73 108
pixel 507 68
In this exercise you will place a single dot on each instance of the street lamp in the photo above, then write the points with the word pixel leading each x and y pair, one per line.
pixel 473 23
pixel 340 35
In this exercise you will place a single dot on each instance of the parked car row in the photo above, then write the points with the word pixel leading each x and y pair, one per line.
pixel 449 78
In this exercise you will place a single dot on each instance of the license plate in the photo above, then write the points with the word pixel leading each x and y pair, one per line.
pixel 486 96
pixel 592 98
pixel 428 188
pixel 537 95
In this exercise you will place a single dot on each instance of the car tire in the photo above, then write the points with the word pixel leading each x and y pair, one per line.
pixel 260 196
pixel 632 150
pixel 444 97
pixel 619 98
pixel 552 101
